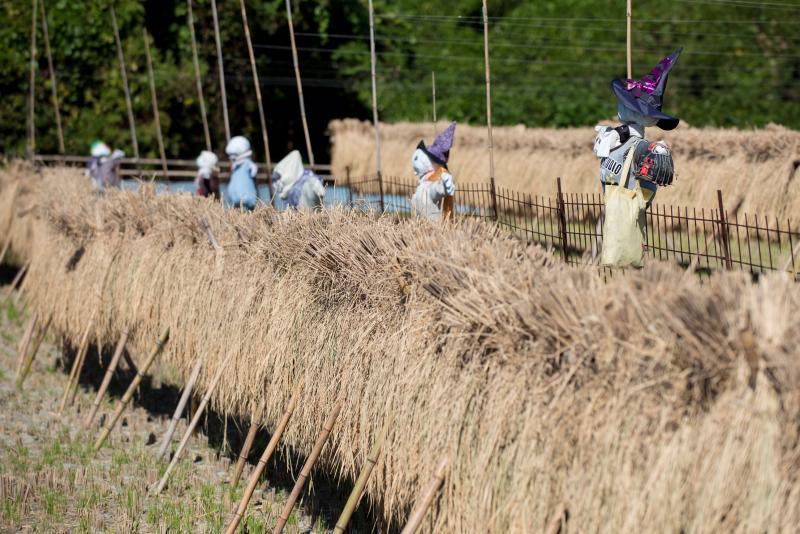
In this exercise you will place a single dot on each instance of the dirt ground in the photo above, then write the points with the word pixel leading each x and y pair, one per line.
pixel 51 481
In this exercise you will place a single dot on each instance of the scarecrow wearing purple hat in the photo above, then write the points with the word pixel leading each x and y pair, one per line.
pixel 639 105
pixel 433 198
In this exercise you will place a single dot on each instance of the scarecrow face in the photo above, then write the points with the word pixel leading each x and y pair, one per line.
pixel 421 163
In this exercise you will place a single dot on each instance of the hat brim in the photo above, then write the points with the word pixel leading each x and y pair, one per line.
pixel 433 158
pixel 627 99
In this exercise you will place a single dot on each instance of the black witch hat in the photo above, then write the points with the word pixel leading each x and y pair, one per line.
pixel 646 96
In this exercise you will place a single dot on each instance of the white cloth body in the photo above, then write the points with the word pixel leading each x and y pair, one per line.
pixel 427 200
pixel 289 171
pixel 104 171
pixel 312 193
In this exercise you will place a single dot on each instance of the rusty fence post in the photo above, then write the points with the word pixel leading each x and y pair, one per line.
pixel 562 220
pixel 493 192
pixel 723 229
pixel 349 187
pixel 380 188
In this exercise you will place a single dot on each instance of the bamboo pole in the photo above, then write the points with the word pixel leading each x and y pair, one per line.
pixel 112 366
pixel 112 422
pixel 373 67
pixel 29 360
pixel 154 101
pixel 306 471
pixel 262 462
pixel 488 90
pixel 77 366
pixel 22 350
pixel 173 424
pixel 257 86
pixel 248 444
pixel 53 84
pixel 299 83
pixel 15 282
pixel 427 497
pixel 433 88
pixel 628 14
pixel 125 87
pixel 190 429
pixel 361 481
pixel 198 77
pixel 32 89
pixel 221 67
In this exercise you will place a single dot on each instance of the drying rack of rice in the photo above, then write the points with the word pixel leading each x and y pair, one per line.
pixel 644 403
pixel 758 171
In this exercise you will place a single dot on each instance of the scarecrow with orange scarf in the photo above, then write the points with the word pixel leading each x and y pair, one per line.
pixel 433 198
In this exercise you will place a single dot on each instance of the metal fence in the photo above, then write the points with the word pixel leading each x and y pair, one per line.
pixel 704 239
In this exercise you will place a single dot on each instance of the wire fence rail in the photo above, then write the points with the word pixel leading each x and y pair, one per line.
pixel 703 239
pixel 570 224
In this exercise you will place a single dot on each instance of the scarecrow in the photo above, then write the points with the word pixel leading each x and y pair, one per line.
pixel 299 187
pixel 638 106
pixel 433 198
pixel 631 167
pixel 103 166
pixel 242 187
pixel 206 181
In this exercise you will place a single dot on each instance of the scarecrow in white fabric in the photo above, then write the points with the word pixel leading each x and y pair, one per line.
pixel 103 166
pixel 299 187
pixel 638 106
pixel 433 198
pixel 242 187
pixel 206 182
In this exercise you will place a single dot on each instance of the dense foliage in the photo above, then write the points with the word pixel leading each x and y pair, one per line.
pixel 551 65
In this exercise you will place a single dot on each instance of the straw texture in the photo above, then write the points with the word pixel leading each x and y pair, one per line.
pixel 644 403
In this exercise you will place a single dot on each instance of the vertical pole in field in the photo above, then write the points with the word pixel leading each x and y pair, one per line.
pixel 433 89
pixel 221 66
pixel 373 62
pixel 53 84
pixel 257 85
pixel 628 14
pixel 32 95
pixel 124 74
pixel 154 100
pixel 198 78
pixel 299 83
pixel 489 105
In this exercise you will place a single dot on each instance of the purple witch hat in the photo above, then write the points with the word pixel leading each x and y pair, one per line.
pixel 439 151
pixel 646 96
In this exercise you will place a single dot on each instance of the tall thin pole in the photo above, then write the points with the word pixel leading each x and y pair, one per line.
pixel 433 88
pixel 299 83
pixel 124 74
pixel 154 100
pixel 257 85
pixel 628 22
pixel 32 95
pixel 221 71
pixel 53 84
pixel 488 90
pixel 373 66
pixel 198 78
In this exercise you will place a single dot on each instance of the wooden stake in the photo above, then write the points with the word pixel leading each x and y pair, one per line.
pixel 53 84
pixel 248 444
pixel 154 100
pixel 257 85
pixel 29 360
pixel 125 87
pixel 112 366
pixel 628 14
pixel 427 497
pixel 71 387
pixel 200 409
pixel 112 422
pixel 299 83
pixel 173 424
pixel 15 282
pixel 361 481
pixel 373 66
pixel 262 462
pixel 433 88
pixel 198 78
pixel 488 90
pixel 306 471
pixel 221 67
pixel 6 246
pixel 32 94
pixel 22 350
